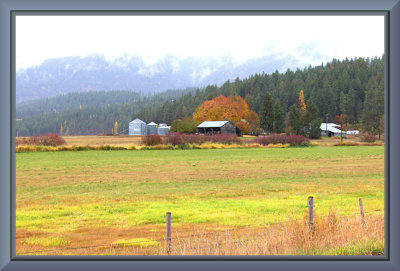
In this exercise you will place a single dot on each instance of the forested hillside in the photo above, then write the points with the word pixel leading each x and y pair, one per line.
pixel 339 87
pixel 93 112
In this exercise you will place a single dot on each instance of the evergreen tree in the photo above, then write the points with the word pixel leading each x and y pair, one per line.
pixel 267 114
pixel 279 118
pixel 373 111
pixel 296 121
pixel 313 123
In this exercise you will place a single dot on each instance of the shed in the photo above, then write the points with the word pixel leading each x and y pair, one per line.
pixel 332 129
pixel 151 128
pixel 355 132
pixel 137 127
pixel 218 127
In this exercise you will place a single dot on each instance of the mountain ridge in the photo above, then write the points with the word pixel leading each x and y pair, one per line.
pixel 95 72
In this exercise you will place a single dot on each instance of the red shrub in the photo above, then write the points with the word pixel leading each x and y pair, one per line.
pixel 293 140
pixel 174 139
pixel 223 138
pixel 179 139
pixel 151 140
pixel 42 140
pixel 193 139
pixel 368 138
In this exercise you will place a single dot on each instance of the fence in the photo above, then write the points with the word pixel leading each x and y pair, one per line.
pixel 167 239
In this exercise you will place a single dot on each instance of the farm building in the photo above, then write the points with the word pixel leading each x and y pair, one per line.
pixel 217 127
pixel 163 129
pixel 151 128
pixel 137 127
pixel 331 129
pixel 355 132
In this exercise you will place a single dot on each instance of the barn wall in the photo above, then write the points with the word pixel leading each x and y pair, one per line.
pixel 228 128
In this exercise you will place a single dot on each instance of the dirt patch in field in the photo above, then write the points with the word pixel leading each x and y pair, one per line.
pixel 116 241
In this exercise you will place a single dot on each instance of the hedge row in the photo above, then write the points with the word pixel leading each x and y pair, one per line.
pixel 186 146
pixel 41 140
pixel 176 139
pixel 293 140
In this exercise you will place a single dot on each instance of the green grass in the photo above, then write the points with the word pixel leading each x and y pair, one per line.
pixel 371 247
pixel 61 192
pixel 138 242
pixel 46 241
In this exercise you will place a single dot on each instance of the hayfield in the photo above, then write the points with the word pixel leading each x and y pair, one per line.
pixel 114 202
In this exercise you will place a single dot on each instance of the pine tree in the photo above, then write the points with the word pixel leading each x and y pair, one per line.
pixel 278 117
pixel 373 111
pixel 313 123
pixel 267 114
pixel 296 121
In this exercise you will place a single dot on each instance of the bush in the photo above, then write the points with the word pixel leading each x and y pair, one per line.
pixel 179 139
pixel 368 138
pixel 293 140
pixel 174 139
pixel 223 138
pixel 194 139
pixel 41 140
pixel 151 140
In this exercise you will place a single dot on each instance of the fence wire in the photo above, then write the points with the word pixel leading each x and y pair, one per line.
pixel 180 237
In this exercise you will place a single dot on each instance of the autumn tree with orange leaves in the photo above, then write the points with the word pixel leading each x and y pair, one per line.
pixel 235 109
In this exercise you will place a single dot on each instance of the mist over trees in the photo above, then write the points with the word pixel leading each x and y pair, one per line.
pixel 351 88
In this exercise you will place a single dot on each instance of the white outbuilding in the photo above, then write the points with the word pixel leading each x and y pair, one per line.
pixel 332 129
pixel 355 132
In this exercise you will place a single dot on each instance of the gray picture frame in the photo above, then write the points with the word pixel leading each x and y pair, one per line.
pixel 389 8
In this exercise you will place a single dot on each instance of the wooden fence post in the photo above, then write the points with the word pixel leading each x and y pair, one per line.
pixel 361 210
pixel 310 213
pixel 168 233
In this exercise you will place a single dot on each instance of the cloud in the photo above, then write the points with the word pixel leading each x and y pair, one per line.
pixel 154 37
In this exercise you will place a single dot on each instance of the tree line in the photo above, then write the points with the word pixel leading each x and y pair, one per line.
pixel 351 90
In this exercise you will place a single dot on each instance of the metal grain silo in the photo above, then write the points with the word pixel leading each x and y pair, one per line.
pixel 163 129
pixel 137 127
pixel 151 128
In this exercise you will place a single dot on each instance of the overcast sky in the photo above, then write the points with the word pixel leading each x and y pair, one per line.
pixel 312 39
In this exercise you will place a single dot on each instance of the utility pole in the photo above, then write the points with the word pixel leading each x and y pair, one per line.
pixel 341 129
pixel 326 124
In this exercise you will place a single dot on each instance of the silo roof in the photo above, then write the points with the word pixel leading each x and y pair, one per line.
pixel 137 121
pixel 152 123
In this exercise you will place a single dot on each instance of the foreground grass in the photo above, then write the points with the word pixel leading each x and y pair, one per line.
pixel 100 197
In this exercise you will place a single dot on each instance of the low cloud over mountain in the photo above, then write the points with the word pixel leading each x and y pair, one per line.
pixel 96 72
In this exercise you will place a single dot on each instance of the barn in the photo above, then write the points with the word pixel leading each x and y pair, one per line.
pixel 331 129
pixel 217 127
pixel 137 127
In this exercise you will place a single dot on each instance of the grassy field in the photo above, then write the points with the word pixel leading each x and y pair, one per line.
pixel 114 202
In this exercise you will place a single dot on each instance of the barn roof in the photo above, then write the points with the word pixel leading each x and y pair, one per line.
pixel 212 124
pixel 137 121
pixel 331 127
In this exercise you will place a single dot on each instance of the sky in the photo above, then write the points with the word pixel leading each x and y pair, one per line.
pixel 311 39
